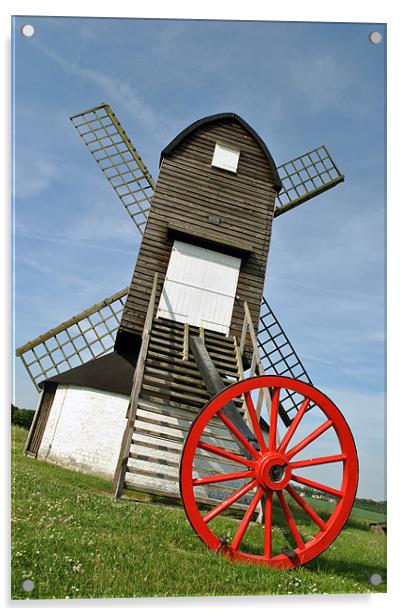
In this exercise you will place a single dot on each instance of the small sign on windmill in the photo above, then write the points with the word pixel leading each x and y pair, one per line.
pixel 169 410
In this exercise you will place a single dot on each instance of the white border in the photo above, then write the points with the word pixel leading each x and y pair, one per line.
pixel 293 10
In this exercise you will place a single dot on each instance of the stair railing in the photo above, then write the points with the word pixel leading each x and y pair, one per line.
pixel 256 366
pixel 119 477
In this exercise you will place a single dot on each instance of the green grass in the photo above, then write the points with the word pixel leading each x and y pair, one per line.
pixel 360 515
pixel 72 539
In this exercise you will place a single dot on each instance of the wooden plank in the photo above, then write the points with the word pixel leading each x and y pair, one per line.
pixel 245 196
pixel 175 420
pixel 40 420
pixel 204 465
pixel 187 191
pixel 119 476
pixel 175 342
pixel 254 234
pixel 244 171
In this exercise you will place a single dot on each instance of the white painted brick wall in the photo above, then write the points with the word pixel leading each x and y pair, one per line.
pixel 84 430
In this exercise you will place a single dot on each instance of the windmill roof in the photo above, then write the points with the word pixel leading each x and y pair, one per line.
pixel 111 372
pixel 217 118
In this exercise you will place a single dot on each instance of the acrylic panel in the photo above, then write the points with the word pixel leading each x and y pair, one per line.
pixel 158 457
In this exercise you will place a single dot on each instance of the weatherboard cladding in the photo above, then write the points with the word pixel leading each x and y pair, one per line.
pixel 220 118
pixel 189 191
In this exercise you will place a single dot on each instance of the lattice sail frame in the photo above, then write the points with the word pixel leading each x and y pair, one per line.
pixel 306 177
pixel 279 357
pixel 85 336
pixel 62 348
pixel 118 159
pixel 51 353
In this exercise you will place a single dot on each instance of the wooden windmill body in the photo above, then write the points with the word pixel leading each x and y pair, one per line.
pixel 200 272
pixel 198 203
pixel 207 237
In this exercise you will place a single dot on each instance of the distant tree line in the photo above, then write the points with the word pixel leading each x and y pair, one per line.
pixel 371 505
pixel 362 503
pixel 24 417
pixel 21 417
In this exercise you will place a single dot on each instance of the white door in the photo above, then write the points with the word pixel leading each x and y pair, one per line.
pixel 199 287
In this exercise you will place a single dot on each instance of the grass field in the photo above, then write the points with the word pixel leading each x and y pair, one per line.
pixel 357 513
pixel 73 540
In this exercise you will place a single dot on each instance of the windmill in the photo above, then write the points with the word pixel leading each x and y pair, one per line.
pixel 192 320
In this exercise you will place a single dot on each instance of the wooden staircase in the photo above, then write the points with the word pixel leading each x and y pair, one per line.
pixel 171 395
pixel 168 392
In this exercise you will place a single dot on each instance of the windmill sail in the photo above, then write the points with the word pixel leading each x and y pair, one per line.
pixel 278 356
pixel 306 177
pixel 118 159
pixel 302 178
pixel 91 333
pixel 85 336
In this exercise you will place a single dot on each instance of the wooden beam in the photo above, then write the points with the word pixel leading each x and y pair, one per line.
pixel 119 477
pixel 82 315
pixel 215 385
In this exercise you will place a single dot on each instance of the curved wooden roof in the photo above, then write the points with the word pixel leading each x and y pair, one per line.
pixel 217 118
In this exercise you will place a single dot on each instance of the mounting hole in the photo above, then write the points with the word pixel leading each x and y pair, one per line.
pixel 27 585
pixel 375 579
pixel 27 30
pixel 375 38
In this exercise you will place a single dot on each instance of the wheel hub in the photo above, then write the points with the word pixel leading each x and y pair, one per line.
pixel 273 471
pixel 269 473
pixel 276 473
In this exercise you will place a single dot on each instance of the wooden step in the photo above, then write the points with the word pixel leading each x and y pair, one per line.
pixel 176 376
pixel 183 372
pixel 204 465
pixel 169 420
pixel 173 342
pixel 171 384
pixel 155 395
pixel 163 324
pixel 172 375
pixel 220 360
pixel 178 336
pixel 160 356
pixel 174 413
pixel 178 367
pixel 171 345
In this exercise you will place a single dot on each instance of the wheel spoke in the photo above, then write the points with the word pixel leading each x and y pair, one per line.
pixel 273 418
pixel 246 519
pixel 255 421
pixel 226 454
pixel 316 461
pixel 230 500
pixel 316 486
pixel 238 434
pixel 218 478
pixel 294 425
pixel 310 438
pixel 306 507
pixel 268 526
pixel 240 469
pixel 290 520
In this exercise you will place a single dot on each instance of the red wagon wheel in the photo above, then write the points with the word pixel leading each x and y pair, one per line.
pixel 269 472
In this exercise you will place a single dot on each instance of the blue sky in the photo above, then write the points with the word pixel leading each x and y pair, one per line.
pixel 300 86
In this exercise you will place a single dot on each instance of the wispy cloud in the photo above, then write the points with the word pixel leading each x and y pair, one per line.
pixel 325 83
pixel 60 239
pixel 116 90
pixel 34 172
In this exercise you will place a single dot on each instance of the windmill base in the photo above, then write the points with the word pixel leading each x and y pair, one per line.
pixel 84 429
